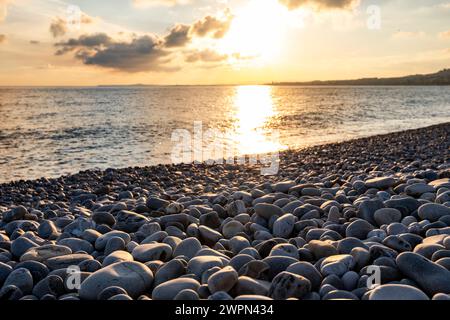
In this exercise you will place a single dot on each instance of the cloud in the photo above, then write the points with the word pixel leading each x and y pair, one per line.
pixel 144 53
pixel 154 3
pixel 2 38
pixel 444 35
pixel 320 4
pixel 206 55
pixel 178 36
pixel 211 25
pixel 182 34
pixel 4 8
pixel 408 34
pixel 59 26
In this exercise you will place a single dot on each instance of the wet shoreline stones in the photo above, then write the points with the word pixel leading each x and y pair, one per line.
pixel 192 231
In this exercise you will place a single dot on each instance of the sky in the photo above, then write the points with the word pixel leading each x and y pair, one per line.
pixel 175 42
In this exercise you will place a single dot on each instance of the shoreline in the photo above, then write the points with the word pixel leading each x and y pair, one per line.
pixel 194 231
pixel 284 154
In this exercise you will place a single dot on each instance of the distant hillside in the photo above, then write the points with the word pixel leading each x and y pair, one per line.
pixel 441 78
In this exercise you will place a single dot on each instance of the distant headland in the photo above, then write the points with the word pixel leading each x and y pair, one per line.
pixel 441 78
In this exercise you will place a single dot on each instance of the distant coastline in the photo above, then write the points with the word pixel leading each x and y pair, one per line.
pixel 441 78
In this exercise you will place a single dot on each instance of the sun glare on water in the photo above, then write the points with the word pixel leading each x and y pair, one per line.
pixel 256 33
pixel 253 112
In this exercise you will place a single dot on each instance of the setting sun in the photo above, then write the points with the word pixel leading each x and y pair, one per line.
pixel 256 33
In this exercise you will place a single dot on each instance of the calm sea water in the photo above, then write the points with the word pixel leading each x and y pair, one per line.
pixel 54 131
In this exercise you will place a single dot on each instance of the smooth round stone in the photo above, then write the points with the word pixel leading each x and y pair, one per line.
pixel 235 208
pixel 397 243
pixel 446 243
pixel 117 256
pixel 380 183
pixel 252 297
pixel 440 183
pixel 90 265
pixel 339 295
pixel 21 245
pixel 152 251
pixel 66 261
pixel 121 297
pixel 417 189
pixel 285 249
pixel 278 264
pixel 104 218
pixel 208 235
pixel 173 269
pixel 5 270
pixel 350 280
pixel 169 289
pixel 322 249
pixel 188 248
pixel 359 229
pixel 232 228
pixel 441 296
pixel 289 285
pixel 37 269
pixel 283 186
pixel 21 278
pixel 114 244
pixel 220 296
pixel 267 210
pixel 42 253
pixel 433 211
pixel 187 295
pixel 431 277
pixel 387 216
pixel 198 265
pixel 338 265
pixel 102 240
pixel 154 203
pixel 444 262
pixel 110 292
pixel 47 229
pixel 16 213
pixel 246 285
pixel 134 277
pixel 397 292
pixel 308 271
pixel 11 293
pixel 427 250
pixel 76 244
pixel 223 280
pixel 346 245
pixel 284 226
pixel 255 269
pixel 238 243
pixel 240 260
pixel 52 284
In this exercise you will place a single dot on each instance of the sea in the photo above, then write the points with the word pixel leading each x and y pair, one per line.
pixel 49 132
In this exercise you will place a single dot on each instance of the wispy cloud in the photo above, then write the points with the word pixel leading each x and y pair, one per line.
pixel 320 4
pixel 4 8
pixel 60 26
pixel 153 3
pixel 444 35
pixel 408 34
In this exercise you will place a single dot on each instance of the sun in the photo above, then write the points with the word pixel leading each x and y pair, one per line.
pixel 257 32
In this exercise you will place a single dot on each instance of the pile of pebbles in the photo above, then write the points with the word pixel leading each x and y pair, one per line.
pixel 332 218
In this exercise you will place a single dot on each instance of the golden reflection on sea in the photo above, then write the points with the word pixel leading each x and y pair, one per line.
pixel 253 111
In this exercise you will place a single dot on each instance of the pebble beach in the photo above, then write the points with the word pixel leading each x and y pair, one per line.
pixel 333 216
